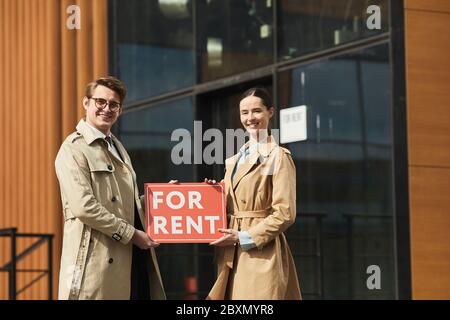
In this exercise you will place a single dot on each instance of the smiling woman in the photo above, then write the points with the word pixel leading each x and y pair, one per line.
pixel 256 110
pixel 254 259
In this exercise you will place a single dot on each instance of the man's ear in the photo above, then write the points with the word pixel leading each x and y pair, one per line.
pixel 85 103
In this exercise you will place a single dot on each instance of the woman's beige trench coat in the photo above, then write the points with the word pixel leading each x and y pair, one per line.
pixel 261 200
pixel 98 194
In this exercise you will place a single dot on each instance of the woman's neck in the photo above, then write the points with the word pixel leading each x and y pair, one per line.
pixel 259 136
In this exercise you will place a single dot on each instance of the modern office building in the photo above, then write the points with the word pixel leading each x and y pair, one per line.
pixel 372 177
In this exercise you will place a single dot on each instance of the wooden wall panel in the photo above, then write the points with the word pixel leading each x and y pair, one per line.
pixel 430 226
pixel 44 68
pixel 428 5
pixel 428 62
pixel 427 45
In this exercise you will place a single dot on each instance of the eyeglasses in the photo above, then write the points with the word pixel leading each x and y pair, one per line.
pixel 101 103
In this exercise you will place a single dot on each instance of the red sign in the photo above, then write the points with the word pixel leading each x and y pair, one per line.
pixel 184 212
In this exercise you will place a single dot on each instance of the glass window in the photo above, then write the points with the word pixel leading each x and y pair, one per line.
pixel 233 36
pixel 154 46
pixel 344 175
pixel 313 25
pixel 146 134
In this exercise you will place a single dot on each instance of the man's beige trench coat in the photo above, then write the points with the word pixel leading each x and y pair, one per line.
pixel 261 200
pixel 98 193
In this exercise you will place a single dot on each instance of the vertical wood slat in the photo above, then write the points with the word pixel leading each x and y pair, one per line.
pixel 29 97
pixel 84 56
pixel 34 71
pixel 69 97
pixel 99 38
pixel 54 126
pixel 13 115
pixel 3 278
pixel 20 128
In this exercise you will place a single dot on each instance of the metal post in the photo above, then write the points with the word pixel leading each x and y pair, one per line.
pixel 50 267
pixel 12 270
pixel 320 251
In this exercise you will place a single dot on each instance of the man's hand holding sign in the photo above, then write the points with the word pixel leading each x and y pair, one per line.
pixel 185 213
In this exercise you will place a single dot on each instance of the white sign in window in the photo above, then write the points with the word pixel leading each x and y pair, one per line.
pixel 293 124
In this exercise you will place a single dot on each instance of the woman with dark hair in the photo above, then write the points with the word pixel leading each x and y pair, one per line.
pixel 254 259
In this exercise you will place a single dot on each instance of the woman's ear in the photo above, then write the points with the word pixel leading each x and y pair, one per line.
pixel 271 112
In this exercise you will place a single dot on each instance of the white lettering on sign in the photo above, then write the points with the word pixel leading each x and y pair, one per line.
pixel 169 200
pixel 176 223
pixel 190 223
pixel 156 199
pixel 194 198
pixel 160 224
pixel 211 220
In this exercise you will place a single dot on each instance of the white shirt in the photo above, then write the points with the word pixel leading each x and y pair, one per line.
pixel 111 148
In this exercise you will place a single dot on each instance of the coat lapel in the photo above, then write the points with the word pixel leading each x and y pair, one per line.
pixel 259 155
pixel 245 168
pixel 230 163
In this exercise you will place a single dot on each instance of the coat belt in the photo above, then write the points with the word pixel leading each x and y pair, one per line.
pixel 252 214
pixel 230 251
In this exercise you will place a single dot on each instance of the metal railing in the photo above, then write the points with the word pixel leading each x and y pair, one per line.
pixel 11 266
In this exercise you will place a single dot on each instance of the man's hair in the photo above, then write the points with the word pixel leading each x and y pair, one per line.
pixel 110 82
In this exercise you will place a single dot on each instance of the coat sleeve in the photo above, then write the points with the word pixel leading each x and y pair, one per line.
pixel 74 178
pixel 283 202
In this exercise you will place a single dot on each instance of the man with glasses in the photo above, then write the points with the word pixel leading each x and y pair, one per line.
pixel 106 253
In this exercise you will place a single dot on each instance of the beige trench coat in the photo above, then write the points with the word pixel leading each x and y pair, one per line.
pixel 98 193
pixel 261 200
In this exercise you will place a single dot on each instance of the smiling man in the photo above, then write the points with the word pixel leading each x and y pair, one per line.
pixel 106 253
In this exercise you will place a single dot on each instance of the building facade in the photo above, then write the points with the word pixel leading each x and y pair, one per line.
pixel 368 176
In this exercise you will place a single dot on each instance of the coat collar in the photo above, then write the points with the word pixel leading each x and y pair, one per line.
pixel 263 150
pixel 89 134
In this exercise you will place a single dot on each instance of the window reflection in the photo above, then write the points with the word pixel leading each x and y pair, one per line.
pixel 146 134
pixel 154 46
pixel 233 36
pixel 344 176
pixel 312 25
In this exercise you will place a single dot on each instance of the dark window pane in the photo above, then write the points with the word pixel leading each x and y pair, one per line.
pixel 233 36
pixel 344 174
pixel 154 46
pixel 147 136
pixel 313 25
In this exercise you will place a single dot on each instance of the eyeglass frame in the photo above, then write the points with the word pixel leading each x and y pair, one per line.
pixel 108 103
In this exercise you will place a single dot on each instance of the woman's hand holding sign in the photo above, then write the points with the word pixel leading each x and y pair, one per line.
pixel 209 181
pixel 230 238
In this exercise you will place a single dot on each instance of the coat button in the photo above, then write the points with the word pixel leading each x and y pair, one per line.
pixel 78 134
pixel 113 199
pixel 109 167
pixel 243 201
pixel 111 260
